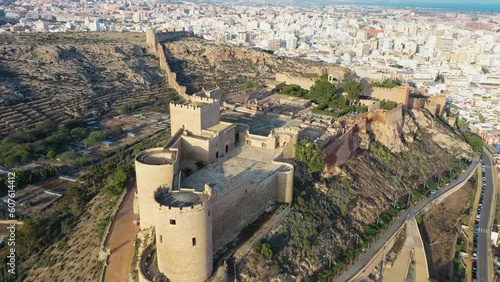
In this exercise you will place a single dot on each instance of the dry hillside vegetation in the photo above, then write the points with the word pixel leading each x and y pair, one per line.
pixel 205 64
pixel 75 258
pixel 75 65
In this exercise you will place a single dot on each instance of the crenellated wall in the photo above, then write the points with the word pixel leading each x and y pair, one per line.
pixel 159 51
pixel 195 118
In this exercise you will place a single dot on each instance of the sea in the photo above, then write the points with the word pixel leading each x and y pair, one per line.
pixel 448 6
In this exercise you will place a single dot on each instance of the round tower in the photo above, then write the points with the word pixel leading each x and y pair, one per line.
pixel 183 226
pixel 153 168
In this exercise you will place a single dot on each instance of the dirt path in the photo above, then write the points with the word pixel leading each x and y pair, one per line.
pixel 121 242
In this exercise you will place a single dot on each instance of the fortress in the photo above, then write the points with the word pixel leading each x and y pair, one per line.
pixel 210 180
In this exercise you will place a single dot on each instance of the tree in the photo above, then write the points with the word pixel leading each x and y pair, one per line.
pixel 127 108
pixel 439 78
pixel 294 90
pixel 95 137
pixel 116 131
pixel 266 251
pixel 387 83
pixel 310 154
pixel 388 105
pixel 485 70
pixel 481 118
pixel 67 156
pixel 322 91
pixel 353 89
pixel 79 133
pixel 474 141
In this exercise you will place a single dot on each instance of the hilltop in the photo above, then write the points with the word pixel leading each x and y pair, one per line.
pixel 75 65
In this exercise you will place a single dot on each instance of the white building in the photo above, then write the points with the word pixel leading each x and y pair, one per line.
pixel 291 42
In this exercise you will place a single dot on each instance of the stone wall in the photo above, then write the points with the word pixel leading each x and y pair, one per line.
pixel 339 150
pixel 171 76
pixel 288 79
pixel 399 94
pixel 434 104
pixel 239 205
pixel 153 38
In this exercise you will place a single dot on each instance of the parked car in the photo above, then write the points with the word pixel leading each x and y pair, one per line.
pixel 474 256
pixel 433 192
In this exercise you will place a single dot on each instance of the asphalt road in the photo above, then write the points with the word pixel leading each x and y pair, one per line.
pixel 483 260
pixel 365 258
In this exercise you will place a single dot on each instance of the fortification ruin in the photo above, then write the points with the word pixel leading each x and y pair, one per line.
pixel 210 180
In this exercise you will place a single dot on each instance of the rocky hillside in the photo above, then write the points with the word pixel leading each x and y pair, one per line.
pixel 329 213
pixel 209 64
pixel 75 65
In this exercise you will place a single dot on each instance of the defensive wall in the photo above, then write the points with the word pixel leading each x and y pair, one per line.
pixel 399 94
pixel 159 51
pixel 338 150
pixel 305 83
pixel 153 38
pixel 434 104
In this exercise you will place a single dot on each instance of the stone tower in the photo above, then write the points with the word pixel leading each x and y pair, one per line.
pixel 153 168
pixel 151 39
pixel 183 225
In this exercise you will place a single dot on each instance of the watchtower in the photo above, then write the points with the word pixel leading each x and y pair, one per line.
pixel 151 39
pixel 183 225
pixel 153 168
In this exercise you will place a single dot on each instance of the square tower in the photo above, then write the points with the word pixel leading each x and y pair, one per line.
pixel 196 115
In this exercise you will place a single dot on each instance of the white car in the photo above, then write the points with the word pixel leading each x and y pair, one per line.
pixel 474 256
pixel 433 192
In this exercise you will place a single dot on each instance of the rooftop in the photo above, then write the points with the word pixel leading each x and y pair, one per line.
pixel 256 163
pixel 198 103
pixel 180 199
pixel 221 126
pixel 156 157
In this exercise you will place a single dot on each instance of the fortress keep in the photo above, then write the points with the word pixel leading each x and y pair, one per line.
pixel 210 180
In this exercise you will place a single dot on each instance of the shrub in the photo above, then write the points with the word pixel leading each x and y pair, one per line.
pixel 266 251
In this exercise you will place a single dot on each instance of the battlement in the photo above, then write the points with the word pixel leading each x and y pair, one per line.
pixel 286 129
pixel 153 37
pixel 196 103
pixel 156 156
pixel 205 99
pixel 184 198
pixel 186 106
